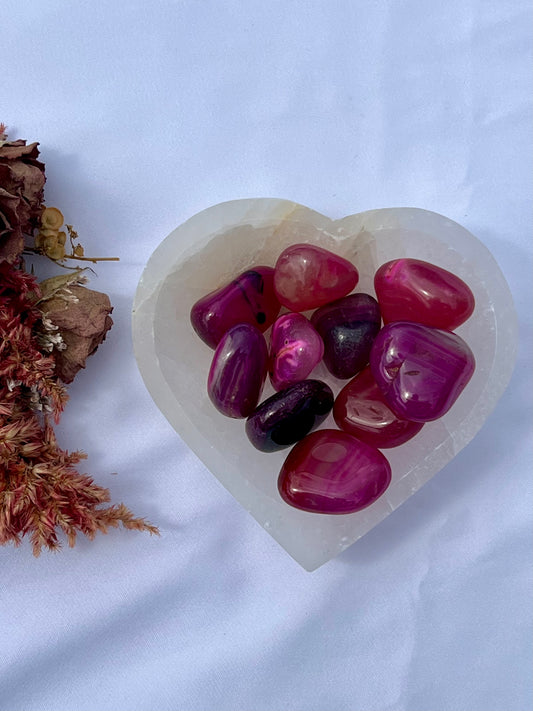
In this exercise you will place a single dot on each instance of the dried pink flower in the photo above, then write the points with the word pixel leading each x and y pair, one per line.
pixel 40 490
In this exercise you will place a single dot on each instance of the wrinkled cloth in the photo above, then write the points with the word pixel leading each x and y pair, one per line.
pixel 148 112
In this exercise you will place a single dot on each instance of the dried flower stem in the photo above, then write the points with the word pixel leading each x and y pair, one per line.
pixel 32 250
pixel 93 259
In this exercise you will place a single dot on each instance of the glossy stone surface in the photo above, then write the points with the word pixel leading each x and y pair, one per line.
pixel 361 410
pixel 420 370
pixel 348 327
pixel 307 276
pixel 286 417
pixel 295 349
pixel 414 290
pixel 332 472
pixel 250 298
pixel 238 371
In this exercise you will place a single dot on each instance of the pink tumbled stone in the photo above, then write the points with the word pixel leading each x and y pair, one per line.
pixel 420 370
pixel 332 472
pixel 413 290
pixel 238 371
pixel 361 409
pixel 249 298
pixel 306 277
pixel 296 348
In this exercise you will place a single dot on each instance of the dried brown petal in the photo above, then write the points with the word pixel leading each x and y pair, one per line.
pixel 11 240
pixel 32 183
pixel 82 317
pixel 11 150
pixel 21 195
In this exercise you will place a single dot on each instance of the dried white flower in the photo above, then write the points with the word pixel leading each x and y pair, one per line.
pixel 48 325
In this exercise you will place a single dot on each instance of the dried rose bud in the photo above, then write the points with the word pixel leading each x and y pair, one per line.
pixel 21 195
pixel 82 318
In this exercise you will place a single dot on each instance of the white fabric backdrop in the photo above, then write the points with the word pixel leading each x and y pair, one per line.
pixel 150 111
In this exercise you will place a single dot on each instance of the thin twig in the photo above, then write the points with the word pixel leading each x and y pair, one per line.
pixel 92 259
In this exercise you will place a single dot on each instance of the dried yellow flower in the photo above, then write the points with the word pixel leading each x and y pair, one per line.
pixel 51 218
pixel 49 240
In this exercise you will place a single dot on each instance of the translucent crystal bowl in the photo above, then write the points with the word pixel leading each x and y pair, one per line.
pixel 226 239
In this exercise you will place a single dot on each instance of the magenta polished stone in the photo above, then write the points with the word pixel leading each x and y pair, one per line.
pixel 332 472
pixel 412 290
pixel 420 370
pixel 361 410
pixel 306 277
pixel 238 371
pixel 250 298
pixel 348 327
pixel 295 349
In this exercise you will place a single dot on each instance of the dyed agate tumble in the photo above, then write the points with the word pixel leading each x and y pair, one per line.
pixel 348 327
pixel 413 290
pixel 238 371
pixel 295 349
pixel 407 373
pixel 361 410
pixel 288 416
pixel 332 472
pixel 250 298
pixel 307 277
pixel 420 370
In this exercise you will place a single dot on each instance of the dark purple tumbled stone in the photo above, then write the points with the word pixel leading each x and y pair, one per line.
pixel 250 298
pixel 289 415
pixel 238 371
pixel 348 327
pixel 420 370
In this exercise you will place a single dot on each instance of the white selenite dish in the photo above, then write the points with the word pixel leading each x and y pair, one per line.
pixel 222 241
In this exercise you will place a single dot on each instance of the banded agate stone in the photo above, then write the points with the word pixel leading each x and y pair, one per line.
pixel 238 371
pixel 306 277
pixel 295 349
pixel 420 370
pixel 250 298
pixel 413 290
pixel 332 472
pixel 361 409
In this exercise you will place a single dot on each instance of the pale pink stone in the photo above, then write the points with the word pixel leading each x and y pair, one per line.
pixel 307 277
pixel 296 348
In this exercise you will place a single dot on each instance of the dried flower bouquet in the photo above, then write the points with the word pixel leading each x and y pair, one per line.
pixel 47 331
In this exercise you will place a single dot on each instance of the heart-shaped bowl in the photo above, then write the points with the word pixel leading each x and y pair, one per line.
pixel 222 241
